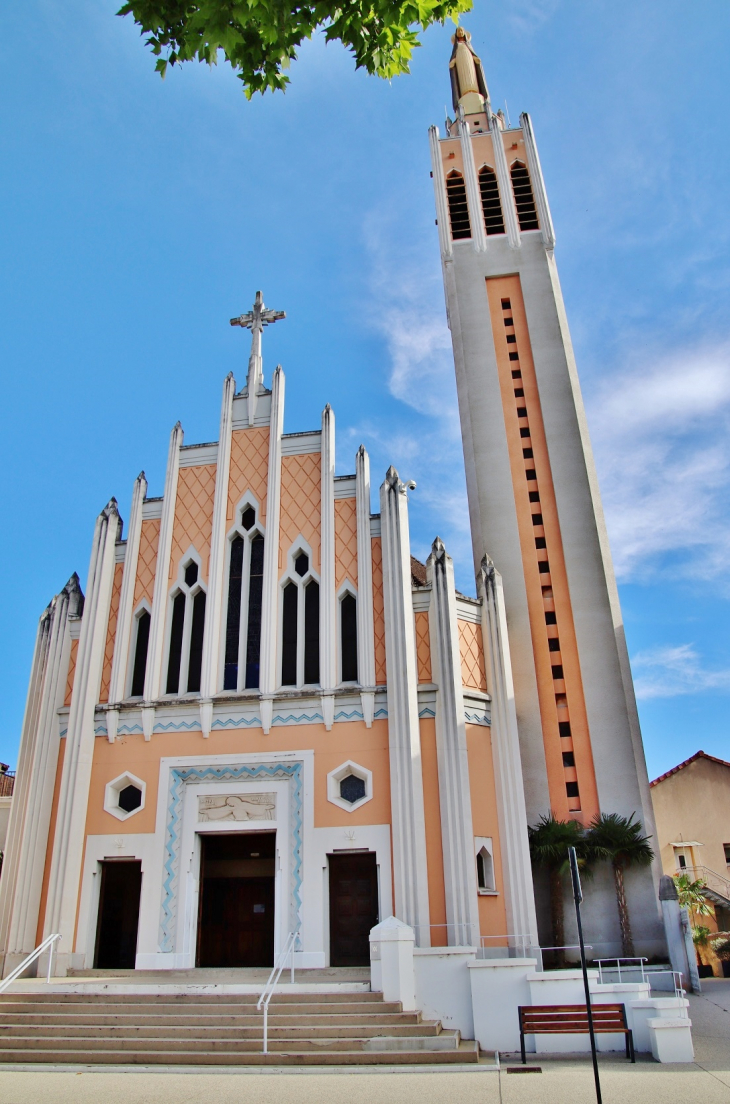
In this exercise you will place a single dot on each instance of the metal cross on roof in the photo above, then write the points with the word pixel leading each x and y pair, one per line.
pixel 258 317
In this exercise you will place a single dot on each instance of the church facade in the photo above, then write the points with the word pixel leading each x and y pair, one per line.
pixel 265 718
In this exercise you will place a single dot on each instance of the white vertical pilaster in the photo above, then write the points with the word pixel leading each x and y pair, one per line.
pixel 12 869
pixel 512 814
pixel 457 834
pixel 439 188
pixel 68 844
pixel 410 871
pixel 538 183
pixel 270 597
pixel 365 629
pixel 120 661
pixel 504 180
pixel 214 602
pixel 155 658
pixel 473 194
pixel 328 600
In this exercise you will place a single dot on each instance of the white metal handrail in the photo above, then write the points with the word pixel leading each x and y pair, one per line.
pixel 49 941
pixel 599 963
pixel 279 963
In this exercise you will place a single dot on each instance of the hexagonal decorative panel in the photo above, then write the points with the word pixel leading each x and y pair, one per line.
pixel 124 796
pixel 349 786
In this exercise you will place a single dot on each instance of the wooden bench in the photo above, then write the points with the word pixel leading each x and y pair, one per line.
pixel 572 1019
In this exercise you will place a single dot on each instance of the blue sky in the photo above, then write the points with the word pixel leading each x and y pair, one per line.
pixel 140 215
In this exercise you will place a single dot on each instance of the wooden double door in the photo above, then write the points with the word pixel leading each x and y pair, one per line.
pixel 236 909
pixel 353 888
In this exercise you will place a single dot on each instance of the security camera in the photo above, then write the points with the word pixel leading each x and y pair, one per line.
pixel 411 484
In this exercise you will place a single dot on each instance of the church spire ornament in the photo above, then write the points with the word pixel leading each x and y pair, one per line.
pixel 255 320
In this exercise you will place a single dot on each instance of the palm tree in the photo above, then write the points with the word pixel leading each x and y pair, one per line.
pixel 619 840
pixel 691 895
pixel 550 839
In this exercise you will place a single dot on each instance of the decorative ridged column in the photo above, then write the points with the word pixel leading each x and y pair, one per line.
pixel 439 189
pixel 473 194
pixel 68 843
pixel 538 183
pixel 30 811
pixel 410 871
pixel 328 598
pixel 504 180
pixel 365 629
pixel 155 657
pixel 512 814
pixel 270 597
pixel 212 643
pixel 457 835
pixel 118 681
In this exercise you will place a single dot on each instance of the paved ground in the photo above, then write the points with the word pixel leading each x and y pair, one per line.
pixel 563 1081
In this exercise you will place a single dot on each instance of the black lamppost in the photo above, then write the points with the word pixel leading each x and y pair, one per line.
pixel 578 897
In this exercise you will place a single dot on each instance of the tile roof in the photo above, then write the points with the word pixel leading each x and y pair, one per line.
pixel 697 755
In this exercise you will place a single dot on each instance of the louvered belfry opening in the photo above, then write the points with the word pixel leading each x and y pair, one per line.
pixel 524 199
pixel 491 205
pixel 458 208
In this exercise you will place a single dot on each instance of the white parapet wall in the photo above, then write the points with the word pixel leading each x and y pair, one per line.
pixel 443 991
pixel 498 987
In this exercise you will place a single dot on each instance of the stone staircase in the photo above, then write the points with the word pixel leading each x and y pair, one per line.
pixel 188 1028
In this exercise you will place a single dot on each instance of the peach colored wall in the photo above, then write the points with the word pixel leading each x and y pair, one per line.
pixel 301 504
pixel 492 915
pixel 147 560
pixel 556 582
pixel 514 147
pixel 49 845
pixel 345 541
pixel 423 648
pixel 434 851
pixel 346 740
pixel 71 672
pixel 111 631
pixel 473 673
pixel 193 516
pixel 483 151
pixel 249 468
pixel 451 156
pixel 378 612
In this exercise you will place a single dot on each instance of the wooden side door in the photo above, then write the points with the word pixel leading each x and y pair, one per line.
pixel 353 907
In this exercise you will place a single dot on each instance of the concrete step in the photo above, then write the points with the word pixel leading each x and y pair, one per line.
pixel 193 1047
pixel 185 1020
pixel 169 995
pixel 190 1036
pixel 128 1056
pixel 214 1008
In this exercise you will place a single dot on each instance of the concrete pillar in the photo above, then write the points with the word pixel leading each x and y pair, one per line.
pixel 393 941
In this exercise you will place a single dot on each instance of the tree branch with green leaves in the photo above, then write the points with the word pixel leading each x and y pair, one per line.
pixel 260 38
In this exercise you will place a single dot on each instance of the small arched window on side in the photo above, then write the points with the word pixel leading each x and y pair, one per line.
pixel 485 865
pixel 458 206
pixel 141 644
pixel 245 591
pixel 524 199
pixel 300 625
pixel 185 657
pixel 491 204
pixel 348 638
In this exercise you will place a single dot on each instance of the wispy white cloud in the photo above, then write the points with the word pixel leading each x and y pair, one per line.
pixel 668 671
pixel 660 434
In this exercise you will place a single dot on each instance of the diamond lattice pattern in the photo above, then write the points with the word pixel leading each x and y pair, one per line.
pixel 423 648
pixel 106 672
pixel 473 672
pixel 301 504
pixel 345 541
pixel 378 613
pixel 249 469
pixel 193 516
pixel 147 561
pixel 71 672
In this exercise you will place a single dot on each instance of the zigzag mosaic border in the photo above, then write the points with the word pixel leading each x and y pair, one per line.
pixel 179 778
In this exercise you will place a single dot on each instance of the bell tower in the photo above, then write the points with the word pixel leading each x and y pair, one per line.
pixel 534 502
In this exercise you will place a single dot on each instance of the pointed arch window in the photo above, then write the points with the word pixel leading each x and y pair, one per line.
pixel 141 644
pixel 458 206
pixel 491 204
pixel 245 592
pixel 348 638
pixel 524 199
pixel 187 624
pixel 300 624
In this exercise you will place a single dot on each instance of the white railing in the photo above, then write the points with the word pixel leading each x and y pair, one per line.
pixel 600 961
pixel 49 941
pixel 711 878
pixel 279 963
